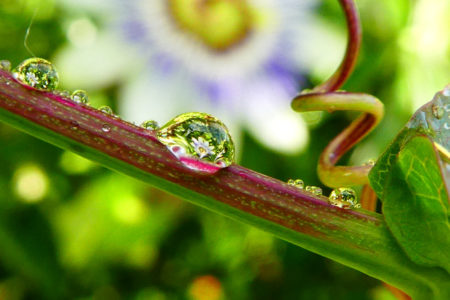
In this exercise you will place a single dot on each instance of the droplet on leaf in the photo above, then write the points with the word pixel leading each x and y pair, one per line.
pixel 314 189
pixel 344 198
pixel 80 96
pixel 150 125
pixel 298 183
pixel 106 109
pixel 200 141
pixel 5 65
pixel 37 73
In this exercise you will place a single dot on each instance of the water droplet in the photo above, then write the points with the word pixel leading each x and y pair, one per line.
pixel 106 109
pixel 298 183
pixel 5 65
pixel 80 96
pixel 438 111
pixel 63 93
pixel 199 140
pixel 37 73
pixel 344 198
pixel 150 125
pixel 106 128
pixel 74 125
pixel 314 189
pixel 370 162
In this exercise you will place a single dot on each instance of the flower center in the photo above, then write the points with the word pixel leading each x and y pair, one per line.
pixel 219 24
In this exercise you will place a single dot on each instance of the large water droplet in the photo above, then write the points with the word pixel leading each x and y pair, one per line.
pixel 344 198
pixel 199 140
pixel 298 183
pixel 150 125
pixel 37 73
pixel 314 190
pixel 5 65
pixel 80 96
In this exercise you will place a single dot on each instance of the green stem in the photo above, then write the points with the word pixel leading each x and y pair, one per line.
pixel 356 238
pixel 372 113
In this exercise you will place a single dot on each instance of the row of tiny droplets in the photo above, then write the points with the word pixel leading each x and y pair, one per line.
pixel 342 197
pixel 41 75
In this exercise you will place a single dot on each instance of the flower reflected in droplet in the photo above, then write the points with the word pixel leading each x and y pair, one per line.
pixel 202 147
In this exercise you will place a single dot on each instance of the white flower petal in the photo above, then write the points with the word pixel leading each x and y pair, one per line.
pixel 95 66
pixel 271 120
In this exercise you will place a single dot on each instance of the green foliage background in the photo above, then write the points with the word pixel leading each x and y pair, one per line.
pixel 101 235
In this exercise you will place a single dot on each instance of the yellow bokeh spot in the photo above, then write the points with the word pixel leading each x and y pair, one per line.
pixel 129 209
pixel 72 163
pixel 206 287
pixel 30 183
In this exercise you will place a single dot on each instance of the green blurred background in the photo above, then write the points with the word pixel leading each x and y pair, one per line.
pixel 71 229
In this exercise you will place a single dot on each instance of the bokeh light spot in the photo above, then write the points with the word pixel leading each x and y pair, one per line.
pixel 30 183
pixel 72 163
pixel 82 32
pixel 206 287
pixel 129 210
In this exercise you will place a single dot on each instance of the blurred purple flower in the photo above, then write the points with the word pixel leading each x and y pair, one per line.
pixel 237 59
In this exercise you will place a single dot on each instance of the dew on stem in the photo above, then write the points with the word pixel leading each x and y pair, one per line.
pixel 37 73
pixel 298 183
pixel 106 128
pixel 62 93
pixel 80 97
pixel 198 140
pixel 344 198
pixel 150 125
pixel 5 65
pixel 314 190
pixel 106 109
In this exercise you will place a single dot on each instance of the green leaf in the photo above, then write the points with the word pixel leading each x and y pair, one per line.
pixel 411 178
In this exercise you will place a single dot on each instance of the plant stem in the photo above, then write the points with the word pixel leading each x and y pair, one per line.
pixel 351 54
pixel 356 238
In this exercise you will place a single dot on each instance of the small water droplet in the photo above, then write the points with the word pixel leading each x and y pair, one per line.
pixel 150 125
pixel 370 162
pixel 314 189
pixel 106 109
pixel 63 93
pixel 37 73
pixel 80 96
pixel 298 183
pixel 344 198
pixel 438 111
pixel 200 141
pixel 106 128
pixel 74 125
pixel 5 65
